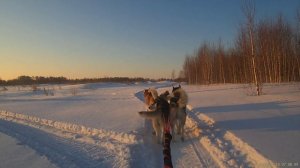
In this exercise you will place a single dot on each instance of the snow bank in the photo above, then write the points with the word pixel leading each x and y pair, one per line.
pixel 226 149
pixel 113 143
pixel 74 128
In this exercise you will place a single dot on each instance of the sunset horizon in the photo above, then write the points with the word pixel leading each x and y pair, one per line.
pixel 102 38
pixel 149 83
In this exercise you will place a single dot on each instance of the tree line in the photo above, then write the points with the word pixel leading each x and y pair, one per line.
pixel 263 51
pixel 28 80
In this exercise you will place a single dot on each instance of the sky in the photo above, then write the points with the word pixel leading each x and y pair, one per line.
pixel 100 38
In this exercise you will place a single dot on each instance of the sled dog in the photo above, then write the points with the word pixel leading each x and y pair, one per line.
pixel 149 96
pixel 157 117
pixel 178 103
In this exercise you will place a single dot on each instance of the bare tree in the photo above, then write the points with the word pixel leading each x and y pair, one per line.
pixel 297 41
pixel 249 11
pixel 266 51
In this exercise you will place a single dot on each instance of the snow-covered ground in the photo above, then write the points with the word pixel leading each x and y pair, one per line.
pixel 270 122
pixel 96 125
pixel 15 154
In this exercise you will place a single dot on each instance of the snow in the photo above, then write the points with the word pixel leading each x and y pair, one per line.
pixel 96 125
pixel 14 154
pixel 270 123
pixel 100 105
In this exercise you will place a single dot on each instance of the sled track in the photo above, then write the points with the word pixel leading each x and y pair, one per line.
pixel 184 154
pixel 69 145
pixel 62 152
pixel 191 151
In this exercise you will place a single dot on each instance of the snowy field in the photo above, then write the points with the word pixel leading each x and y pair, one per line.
pixel 97 125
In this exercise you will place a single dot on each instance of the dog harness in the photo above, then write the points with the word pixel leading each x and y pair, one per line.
pixel 163 105
pixel 167 137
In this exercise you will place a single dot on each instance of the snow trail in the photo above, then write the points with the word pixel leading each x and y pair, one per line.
pixel 61 151
pixel 77 133
pixel 16 154
pixel 189 153
pixel 69 145
pixel 153 156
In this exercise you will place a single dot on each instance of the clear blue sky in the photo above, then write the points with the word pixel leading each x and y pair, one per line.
pixel 89 38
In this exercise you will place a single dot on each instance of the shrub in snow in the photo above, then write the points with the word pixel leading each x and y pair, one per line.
pixel 3 89
pixel 49 92
pixel 250 89
pixel 34 88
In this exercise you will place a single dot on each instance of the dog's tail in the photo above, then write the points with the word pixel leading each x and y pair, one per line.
pixel 149 114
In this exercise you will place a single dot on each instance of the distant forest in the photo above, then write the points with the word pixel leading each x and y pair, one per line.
pixel 264 51
pixel 267 50
pixel 27 80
